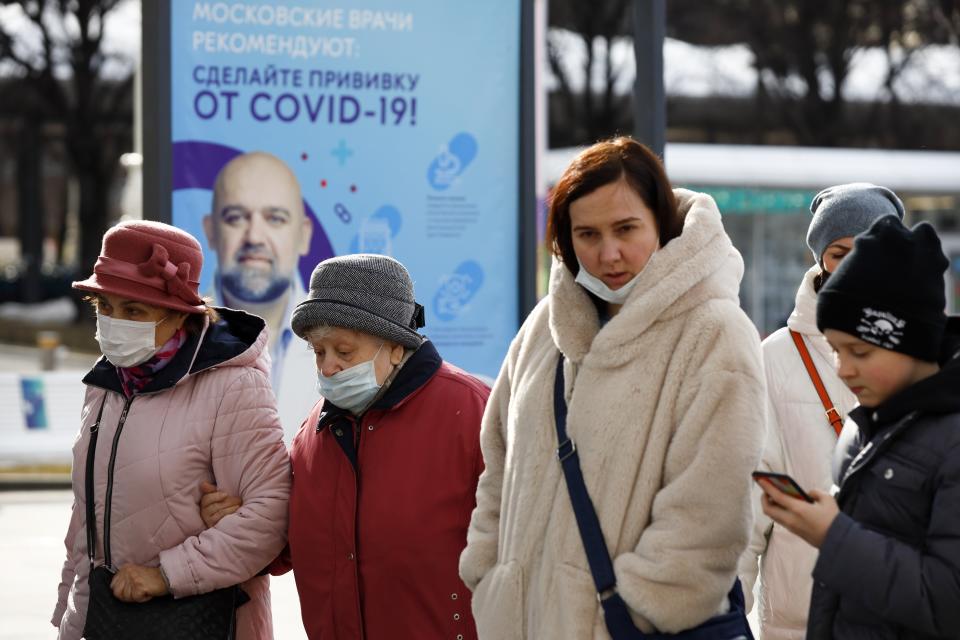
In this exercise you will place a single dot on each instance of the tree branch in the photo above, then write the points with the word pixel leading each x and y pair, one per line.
pixel 556 67
pixel 7 52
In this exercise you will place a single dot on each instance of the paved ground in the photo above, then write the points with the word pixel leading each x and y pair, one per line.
pixel 32 526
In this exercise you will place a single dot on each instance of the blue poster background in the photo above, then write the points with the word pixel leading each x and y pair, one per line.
pixel 34 407
pixel 400 120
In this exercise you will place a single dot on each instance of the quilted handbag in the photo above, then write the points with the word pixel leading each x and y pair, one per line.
pixel 208 616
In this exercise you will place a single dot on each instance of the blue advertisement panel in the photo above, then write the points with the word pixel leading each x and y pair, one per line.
pixel 34 407
pixel 303 130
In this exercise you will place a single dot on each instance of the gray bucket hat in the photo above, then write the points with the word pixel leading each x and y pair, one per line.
pixel 364 292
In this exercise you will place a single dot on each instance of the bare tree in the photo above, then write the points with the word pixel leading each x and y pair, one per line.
pixel 588 115
pixel 60 64
pixel 803 51
pixel 947 15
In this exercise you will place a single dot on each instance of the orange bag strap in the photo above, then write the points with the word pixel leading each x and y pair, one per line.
pixel 833 416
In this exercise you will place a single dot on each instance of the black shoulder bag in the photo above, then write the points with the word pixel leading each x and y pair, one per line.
pixel 729 626
pixel 208 616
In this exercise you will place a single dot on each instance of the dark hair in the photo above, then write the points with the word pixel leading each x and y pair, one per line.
pixel 820 279
pixel 599 165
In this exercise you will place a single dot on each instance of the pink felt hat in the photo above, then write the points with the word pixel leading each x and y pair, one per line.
pixel 149 262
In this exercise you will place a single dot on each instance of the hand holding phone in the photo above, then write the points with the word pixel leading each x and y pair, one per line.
pixel 784 483
pixel 802 515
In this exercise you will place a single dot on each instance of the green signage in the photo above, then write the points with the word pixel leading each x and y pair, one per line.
pixel 740 201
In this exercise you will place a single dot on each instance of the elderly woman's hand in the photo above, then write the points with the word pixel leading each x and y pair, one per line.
pixel 215 504
pixel 134 583
pixel 807 520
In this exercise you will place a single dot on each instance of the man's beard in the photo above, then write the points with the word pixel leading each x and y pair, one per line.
pixel 254 286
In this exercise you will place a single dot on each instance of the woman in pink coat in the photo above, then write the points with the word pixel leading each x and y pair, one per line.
pixel 183 397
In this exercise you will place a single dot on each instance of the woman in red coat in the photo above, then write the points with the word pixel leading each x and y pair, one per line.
pixel 385 468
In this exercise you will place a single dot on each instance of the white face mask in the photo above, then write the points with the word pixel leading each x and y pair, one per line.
pixel 351 389
pixel 126 343
pixel 598 287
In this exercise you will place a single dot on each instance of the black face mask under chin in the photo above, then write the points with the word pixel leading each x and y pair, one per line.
pixel 820 279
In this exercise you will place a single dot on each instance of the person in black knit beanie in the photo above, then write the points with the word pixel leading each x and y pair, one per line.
pixel 801 434
pixel 893 294
pixel 889 561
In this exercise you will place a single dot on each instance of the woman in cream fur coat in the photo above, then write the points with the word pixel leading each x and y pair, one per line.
pixel 665 391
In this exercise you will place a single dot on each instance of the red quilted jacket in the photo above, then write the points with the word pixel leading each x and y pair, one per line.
pixel 380 507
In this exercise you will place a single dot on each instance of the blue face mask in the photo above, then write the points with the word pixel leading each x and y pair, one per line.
pixel 351 389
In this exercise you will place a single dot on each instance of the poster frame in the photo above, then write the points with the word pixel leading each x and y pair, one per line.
pixel 158 142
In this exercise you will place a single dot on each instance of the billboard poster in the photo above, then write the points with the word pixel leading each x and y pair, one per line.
pixel 302 130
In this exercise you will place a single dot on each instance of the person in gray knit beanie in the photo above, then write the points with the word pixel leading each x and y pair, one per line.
pixel 845 210
pixel 371 298
pixel 386 463
pixel 364 292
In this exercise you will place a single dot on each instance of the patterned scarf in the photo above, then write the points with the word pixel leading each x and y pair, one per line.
pixel 135 378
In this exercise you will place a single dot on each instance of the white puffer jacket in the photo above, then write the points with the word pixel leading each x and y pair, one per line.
pixel 800 442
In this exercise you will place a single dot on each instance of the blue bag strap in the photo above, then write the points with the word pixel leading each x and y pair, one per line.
pixel 598 557
pixel 616 613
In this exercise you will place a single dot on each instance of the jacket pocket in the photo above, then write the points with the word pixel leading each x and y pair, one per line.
pixel 498 603
pixel 895 499
pixel 576 598
pixel 892 472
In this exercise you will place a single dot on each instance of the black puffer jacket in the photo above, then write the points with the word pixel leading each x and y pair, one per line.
pixel 889 567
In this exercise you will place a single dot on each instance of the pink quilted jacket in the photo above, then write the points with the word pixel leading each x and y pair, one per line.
pixel 210 414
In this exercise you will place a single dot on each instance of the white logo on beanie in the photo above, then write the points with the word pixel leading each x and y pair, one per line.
pixel 881 328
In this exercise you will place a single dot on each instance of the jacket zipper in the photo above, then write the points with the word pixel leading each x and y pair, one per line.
pixel 874 446
pixel 108 559
pixel 89 495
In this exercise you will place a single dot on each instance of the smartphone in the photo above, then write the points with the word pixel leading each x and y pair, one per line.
pixel 784 483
